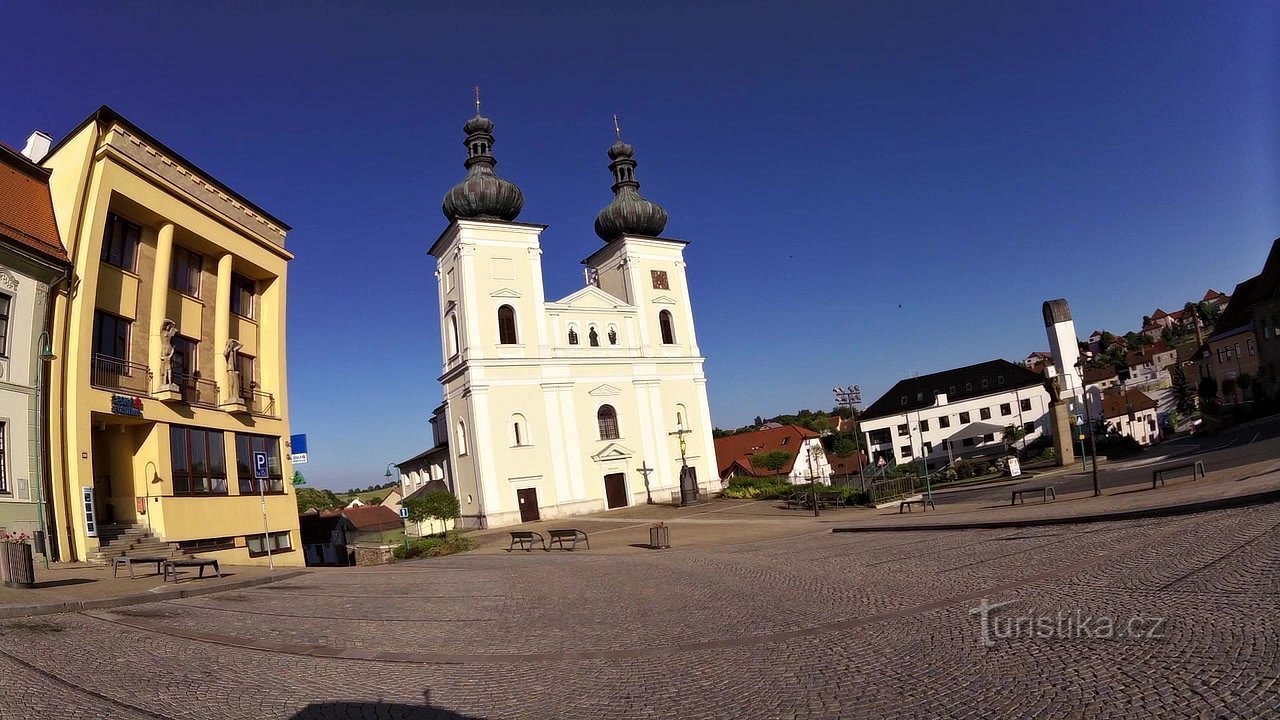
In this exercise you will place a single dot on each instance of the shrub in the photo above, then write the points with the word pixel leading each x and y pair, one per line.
pixel 452 542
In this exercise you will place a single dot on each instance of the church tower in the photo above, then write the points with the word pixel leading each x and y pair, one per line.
pixel 590 402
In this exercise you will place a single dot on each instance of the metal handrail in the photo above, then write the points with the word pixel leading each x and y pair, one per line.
pixel 258 402
pixel 116 374
pixel 196 390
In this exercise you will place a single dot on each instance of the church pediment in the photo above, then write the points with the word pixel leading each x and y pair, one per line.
pixel 664 300
pixel 592 298
pixel 605 390
pixel 612 451
pixel 504 293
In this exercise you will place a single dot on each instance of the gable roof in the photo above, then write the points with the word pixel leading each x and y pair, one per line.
pixel 1116 404
pixel 591 298
pixel 967 383
pixel 1138 357
pixel 372 517
pixel 432 485
pixel 1102 374
pixel 26 208
pixel 737 449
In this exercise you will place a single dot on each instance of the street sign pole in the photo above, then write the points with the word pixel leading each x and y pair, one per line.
pixel 260 474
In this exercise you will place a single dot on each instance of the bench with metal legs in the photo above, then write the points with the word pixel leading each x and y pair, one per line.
pixel 1158 475
pixel 1046 493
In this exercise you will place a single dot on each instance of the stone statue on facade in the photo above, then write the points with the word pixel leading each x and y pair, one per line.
pixel 1053 386
pixel 232 354
pixel 168 330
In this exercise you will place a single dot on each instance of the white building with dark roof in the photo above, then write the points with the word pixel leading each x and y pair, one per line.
pixel 958 413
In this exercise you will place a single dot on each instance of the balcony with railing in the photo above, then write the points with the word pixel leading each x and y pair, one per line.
pixel 258 402
pixel 117 375
pixel 197 391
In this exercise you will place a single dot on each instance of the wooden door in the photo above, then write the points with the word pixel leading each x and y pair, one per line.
pixel 615 490
pixel 528 498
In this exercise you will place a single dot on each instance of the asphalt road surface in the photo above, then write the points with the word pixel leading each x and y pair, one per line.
pixel 1251 443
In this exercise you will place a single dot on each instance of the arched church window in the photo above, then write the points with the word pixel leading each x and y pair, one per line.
pixel 453 335
pixel 573 335
pixel 462 438
pixel 519 430
pixel 667 326
pixel 506 325
pixel 607 418
pixel 593 337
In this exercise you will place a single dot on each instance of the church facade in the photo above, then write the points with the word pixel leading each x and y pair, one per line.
pixel 558 407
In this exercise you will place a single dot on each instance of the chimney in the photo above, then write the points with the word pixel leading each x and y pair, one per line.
pixel 37 146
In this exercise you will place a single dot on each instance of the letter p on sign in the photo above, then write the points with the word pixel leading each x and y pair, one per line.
pixel 259 465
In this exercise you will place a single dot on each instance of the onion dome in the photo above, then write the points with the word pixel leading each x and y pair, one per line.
pixel 628 214
pixel 482 195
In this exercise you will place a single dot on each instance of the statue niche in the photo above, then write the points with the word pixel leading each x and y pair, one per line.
pixel 232 354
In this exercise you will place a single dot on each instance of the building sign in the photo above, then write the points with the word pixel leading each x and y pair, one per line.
pixel 259 465
pixel 1015 468
pixel 126 405
pixel 298 449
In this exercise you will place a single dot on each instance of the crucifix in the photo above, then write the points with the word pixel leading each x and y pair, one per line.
pixel 617 129
pixel 645 470
pixel 477 99
pixel 688 488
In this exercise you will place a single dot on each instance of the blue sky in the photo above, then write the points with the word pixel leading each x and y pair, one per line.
pixel 871 189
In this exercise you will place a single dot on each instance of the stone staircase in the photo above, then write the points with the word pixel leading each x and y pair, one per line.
pixel 135 540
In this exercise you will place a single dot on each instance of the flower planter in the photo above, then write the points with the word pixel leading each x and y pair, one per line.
pixel 17 564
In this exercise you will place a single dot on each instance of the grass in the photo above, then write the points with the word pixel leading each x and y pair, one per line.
pixel 368 497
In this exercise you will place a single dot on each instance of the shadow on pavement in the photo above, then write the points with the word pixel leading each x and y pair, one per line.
pixel 376 711
pixel 60 583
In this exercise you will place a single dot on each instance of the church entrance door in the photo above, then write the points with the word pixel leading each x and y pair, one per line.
pixel 528 498
pixel 615 490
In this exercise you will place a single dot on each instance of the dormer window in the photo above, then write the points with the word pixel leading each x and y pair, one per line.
pixel 904 399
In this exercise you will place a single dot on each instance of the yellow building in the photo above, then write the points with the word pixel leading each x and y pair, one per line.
pixel 170 368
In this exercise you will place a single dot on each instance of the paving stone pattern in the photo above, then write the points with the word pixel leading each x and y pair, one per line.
pixel 827 626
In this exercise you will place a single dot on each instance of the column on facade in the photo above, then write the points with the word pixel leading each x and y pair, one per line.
pixel 562 476
pixel 222 327
pixel 480 445
pixel 469 345
pixel 708 441
pixel 690 338
pixel 159 300
pixel 653 434
pixel 539 303
pixel 572 440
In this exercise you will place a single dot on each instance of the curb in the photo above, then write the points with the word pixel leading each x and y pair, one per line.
pixel 1258 498
pixel 8 612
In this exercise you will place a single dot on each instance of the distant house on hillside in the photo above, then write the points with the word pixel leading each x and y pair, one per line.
pixel 806 458
pixel 327 537
pixel 1131 413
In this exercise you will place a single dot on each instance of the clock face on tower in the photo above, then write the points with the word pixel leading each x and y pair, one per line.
pixel 660 280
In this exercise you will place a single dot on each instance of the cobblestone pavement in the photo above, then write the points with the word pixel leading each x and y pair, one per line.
pixel 819 626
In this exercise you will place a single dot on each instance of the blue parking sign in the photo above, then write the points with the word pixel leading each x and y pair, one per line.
pixel 259 465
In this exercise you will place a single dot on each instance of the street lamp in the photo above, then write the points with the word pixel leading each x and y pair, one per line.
pixel 852 396
pixel 1088 418
pixel 46 356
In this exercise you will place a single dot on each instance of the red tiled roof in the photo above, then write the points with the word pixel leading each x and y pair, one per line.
pixel 1212 294
pixel 372 517
pixel 1138 357
pixel 26 209
pixel 738 449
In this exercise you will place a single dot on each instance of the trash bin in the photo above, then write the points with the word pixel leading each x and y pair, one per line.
pixel 659 536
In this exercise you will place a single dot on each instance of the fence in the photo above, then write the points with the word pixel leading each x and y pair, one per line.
pixel 116 374
pixel 893 488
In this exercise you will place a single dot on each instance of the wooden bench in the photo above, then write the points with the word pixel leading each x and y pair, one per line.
pixel 558 538
pixel 831 498
pixel 1158 475
pixel 171 567
pixel 924 504
pixel 1046 493
pixel 129 561
pixel 797 500
pixel 524 540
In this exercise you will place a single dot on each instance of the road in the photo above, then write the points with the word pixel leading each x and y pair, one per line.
pixel 1244 445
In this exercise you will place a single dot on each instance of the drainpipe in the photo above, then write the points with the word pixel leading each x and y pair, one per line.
pixel 44 461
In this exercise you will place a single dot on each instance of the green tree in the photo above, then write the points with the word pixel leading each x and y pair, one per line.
pixel 759 421
pixel 773 461
pixel 316 499
pixel 1012 434
pixel 1184 402
pixel 1146 320
pixel 1208 390
pixel 440 505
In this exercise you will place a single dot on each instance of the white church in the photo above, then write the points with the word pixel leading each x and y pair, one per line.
pixel 594 401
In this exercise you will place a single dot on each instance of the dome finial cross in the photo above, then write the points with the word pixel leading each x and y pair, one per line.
pixel 617 130
pixel 477 99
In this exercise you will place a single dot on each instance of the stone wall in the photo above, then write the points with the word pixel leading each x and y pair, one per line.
pixel 373 554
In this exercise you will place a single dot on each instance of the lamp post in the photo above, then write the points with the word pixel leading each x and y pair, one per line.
pixel 852 396
pixel 46 355
pixel 1088 417
pixel 924 460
